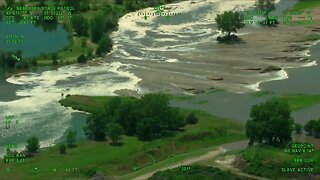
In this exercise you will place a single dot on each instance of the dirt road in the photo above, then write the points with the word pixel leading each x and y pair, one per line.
pixel 211 154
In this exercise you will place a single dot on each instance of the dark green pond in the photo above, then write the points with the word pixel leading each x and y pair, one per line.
pixel 36 40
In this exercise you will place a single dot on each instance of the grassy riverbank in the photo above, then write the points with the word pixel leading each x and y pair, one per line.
pixel 197 172
pixel 307 4
pixel 92 156
pixel 268 161
pixel 297 101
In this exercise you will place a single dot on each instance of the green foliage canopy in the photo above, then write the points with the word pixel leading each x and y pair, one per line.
pixel 95 127
pixel 313 128
pixel 33 145
pixel 62 148
pixel 229 22
pixel 80 25
pixel 270 123
pixel 72 139
pixel 114 131
pixel 266 5
pixel 149 118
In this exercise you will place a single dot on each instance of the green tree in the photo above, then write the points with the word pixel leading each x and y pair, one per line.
pixel 191 119
pixel 111 20
pixel 62 148
pixel 298 128
pixel 89 54
pixel 83 42
pixel 134 116
pixel 32 145
pixel 115 131
pixel 266 6
pixel 80 25
pixel 10 2
pixel 2 59
pixel 21 3
pixel 85 5
pixel 317 129
pixel 128 117
pixel 72 139
pixel 130 6
pixel 97 30
pixel 105 45
pixel 34 61
pixel 82 59
pixel 270 123
pixel 119 1
pixel 54 58
pixel 73 3
pixel 148 129
pixel 157 106
pixel 95 127
pixel 309 127
pixel 229 22
pixel 175 120
pixel 112 106
pixel 41 3
pixel 10 61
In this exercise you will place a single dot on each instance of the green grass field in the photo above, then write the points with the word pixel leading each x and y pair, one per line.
pixel 89 104
pixel 306 4
pixel 119 160
pixel 297 102
pixel 197 172
pixel 262 93
pixel 267 161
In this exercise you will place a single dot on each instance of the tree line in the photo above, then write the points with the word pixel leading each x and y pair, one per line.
pixel 148 118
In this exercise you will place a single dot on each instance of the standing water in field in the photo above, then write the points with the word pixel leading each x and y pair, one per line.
pixel 32 40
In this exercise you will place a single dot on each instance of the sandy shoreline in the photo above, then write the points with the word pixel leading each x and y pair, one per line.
pixel 235 68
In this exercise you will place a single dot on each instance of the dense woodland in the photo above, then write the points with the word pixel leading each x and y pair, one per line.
pixel 148 118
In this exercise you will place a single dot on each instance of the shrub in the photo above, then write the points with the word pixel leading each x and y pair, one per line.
pixel 192 119
pixel 33 144
pixel 90 172
pixel 62 148
pixel 82 59
pixel 298 128
pixel 309 127
pixel 71 139
pixel 34 62
pixel 54 62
